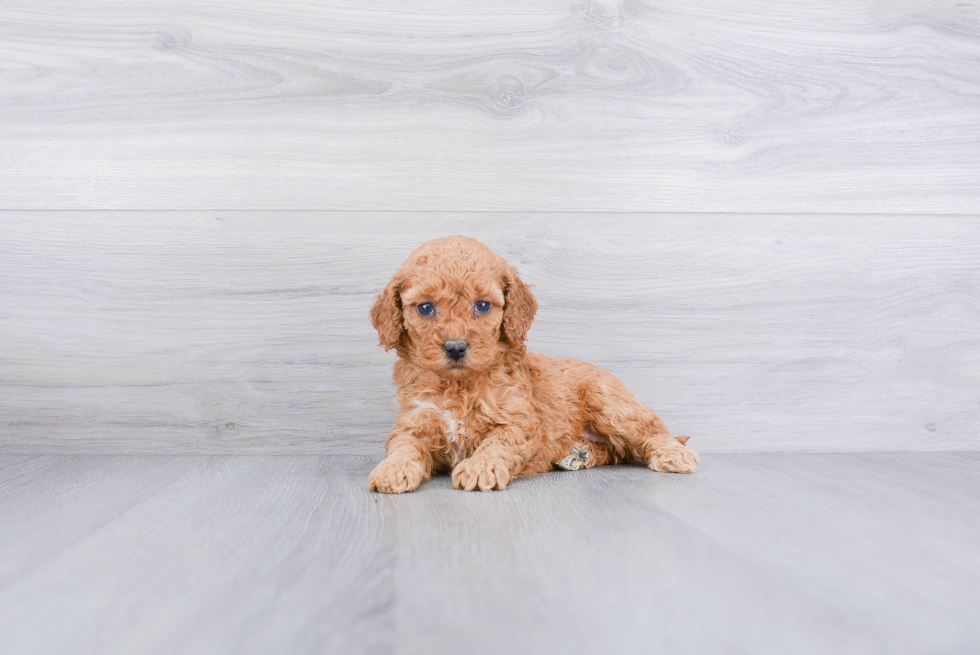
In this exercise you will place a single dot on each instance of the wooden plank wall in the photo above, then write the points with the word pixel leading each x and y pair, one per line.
pixel 764 217
pixel 249 331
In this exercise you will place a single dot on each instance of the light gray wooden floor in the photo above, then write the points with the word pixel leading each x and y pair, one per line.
pixel 760 553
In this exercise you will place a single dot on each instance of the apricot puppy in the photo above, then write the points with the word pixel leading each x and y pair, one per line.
pixel 474 401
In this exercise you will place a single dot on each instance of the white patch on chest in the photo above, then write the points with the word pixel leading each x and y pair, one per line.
pixel 454 428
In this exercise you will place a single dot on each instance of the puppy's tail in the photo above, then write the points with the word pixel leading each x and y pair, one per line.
pixel 683 440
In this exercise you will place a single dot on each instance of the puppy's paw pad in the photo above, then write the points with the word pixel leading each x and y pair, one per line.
pixel 578 458
pixel 396 476
pixel 674 460
pixel 480 472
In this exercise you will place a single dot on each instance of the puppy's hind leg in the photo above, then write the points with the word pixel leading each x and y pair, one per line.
pixel 584 454
pixel 632 428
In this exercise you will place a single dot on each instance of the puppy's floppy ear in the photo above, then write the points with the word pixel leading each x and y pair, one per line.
pixel 386 314
pixel 519 308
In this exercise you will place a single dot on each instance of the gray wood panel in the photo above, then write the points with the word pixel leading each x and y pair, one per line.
pixel 248 332
pixel 600 569
pixel 874 526
pixel 599 105
pixel 762 553
pixel 76 495
pixel 237 555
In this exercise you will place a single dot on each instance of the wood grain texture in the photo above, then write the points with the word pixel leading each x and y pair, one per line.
pixel 762 553
pixel 862 553
pixel 861 106
pixel 248 332
pixel 238 555
pixel 862 529
pixel 76 495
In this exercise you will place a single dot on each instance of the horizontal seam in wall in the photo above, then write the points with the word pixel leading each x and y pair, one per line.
pixel 494 211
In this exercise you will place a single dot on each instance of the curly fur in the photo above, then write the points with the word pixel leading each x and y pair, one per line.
pixel 501 411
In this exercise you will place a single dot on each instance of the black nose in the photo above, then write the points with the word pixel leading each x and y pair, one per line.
pixel 455 349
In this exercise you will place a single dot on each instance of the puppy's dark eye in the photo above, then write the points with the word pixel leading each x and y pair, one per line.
pixel 482 306
pixel 426 309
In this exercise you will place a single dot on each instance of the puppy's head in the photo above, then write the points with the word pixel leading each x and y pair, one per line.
pixel 454 308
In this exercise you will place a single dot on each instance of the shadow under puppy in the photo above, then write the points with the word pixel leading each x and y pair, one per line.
pixel 473 400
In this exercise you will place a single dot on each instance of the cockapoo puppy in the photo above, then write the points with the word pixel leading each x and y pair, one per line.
pixel 474 401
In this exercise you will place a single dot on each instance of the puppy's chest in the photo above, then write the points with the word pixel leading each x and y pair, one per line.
pixel 448 420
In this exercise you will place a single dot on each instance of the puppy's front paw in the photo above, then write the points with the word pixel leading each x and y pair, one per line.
pixel 481 471
pixel 396 475
pixel 676 459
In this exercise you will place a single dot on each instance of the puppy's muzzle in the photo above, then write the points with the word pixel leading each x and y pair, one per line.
pixel 455 349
